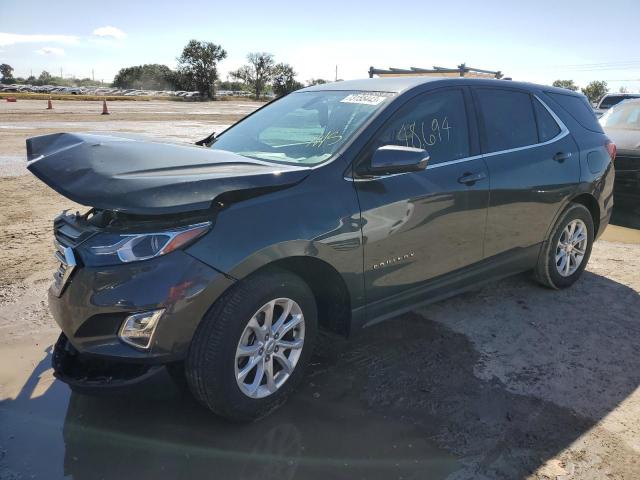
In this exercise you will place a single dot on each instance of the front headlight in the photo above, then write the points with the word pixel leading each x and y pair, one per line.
pixel 113 248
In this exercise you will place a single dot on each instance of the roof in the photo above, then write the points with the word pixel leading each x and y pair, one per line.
pixel 402 84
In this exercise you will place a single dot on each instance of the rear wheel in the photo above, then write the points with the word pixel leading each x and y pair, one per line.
pixel 565 254
pixel 250 350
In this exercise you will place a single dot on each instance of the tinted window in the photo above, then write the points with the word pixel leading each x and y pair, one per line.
pixel 548 128
pixel 610 100
pixel 508 119
pixel 579 109
pixel 436 122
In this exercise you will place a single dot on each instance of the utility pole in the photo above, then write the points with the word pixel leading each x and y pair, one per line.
pixel 60 72
pixel 93 75
pixel 336 73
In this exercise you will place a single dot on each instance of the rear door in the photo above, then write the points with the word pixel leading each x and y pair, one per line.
pixel 533 162
pixel 419 225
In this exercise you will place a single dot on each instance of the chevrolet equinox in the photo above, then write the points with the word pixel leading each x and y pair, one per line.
pixel 334 207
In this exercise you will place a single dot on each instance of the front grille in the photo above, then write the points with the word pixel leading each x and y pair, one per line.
pixel 68 234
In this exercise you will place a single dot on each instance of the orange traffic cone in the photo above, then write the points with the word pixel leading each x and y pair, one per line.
pixel 49 104
pixel 105 110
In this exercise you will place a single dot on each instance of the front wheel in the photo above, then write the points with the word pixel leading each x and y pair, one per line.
pixel 250 350
pixel 565 254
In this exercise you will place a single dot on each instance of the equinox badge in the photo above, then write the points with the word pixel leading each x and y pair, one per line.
pixel 393 260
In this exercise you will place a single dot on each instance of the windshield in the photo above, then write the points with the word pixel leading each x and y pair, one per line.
pixel 304 128
pixel 625 115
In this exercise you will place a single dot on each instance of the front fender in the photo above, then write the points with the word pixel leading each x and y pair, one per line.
pixel 302 221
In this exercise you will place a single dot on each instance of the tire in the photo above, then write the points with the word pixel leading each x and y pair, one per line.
pixel 212 365
pixel 548 272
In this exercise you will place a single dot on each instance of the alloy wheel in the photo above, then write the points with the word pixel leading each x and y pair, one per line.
pixel 571 248
pixel 269 348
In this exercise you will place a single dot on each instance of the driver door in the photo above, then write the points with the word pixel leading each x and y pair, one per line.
pixel 419 226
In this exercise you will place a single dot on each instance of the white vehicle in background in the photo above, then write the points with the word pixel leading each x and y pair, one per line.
pixel 611 99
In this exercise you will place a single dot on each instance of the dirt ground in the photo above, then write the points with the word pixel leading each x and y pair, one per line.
pixel 509 381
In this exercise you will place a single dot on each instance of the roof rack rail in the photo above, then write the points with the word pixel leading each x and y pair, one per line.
pixel 461 71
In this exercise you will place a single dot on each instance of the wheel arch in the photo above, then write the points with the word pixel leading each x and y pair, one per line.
pixel 590 202
pixel 336 292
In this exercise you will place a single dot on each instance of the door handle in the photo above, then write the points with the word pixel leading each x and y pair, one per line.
pixel 561 156
pixel 471 178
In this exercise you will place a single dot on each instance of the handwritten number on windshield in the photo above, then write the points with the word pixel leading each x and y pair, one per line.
pixel 326 139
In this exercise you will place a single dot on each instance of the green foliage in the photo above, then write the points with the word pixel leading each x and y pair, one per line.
pixel 316 81
pixel 257 73
pixel 226 85
pixel 44 78
pixel 595 90
pixel 568 84
pixel 284 80
pixel 145 77
pixel 7 73
pixel 198 67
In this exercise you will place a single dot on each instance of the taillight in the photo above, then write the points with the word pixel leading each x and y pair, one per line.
pixel 611 148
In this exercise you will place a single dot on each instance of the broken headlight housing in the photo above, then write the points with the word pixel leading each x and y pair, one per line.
pixel 115 248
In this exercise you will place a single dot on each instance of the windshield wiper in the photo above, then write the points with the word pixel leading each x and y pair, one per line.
pixel 208 140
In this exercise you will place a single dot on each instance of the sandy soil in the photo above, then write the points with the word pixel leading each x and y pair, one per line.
pixel 509 381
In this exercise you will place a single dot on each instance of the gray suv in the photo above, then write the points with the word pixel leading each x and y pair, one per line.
pixel 334 208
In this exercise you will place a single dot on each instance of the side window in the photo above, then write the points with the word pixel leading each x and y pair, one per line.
pixel 579 108
pixel 548 128
pixel 436 122
pixel 508 119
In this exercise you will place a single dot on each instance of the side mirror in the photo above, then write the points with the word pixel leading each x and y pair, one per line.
pixel 396 159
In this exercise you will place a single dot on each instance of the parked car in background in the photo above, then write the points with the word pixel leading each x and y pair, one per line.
pixel 622 124
pixel 611 99
pixel 335 207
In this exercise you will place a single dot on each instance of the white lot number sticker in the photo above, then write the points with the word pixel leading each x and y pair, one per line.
pixel 364 98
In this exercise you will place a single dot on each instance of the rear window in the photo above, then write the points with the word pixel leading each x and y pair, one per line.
pixel 508 118
pixel 579 109
pixel 548 128
pixel 610 100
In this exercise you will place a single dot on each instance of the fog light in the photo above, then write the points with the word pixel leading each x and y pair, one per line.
pixel 137 329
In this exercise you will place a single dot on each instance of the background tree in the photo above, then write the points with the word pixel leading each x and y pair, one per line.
pixel 623 89
pixel 7 73
pixel 227 85
pixel 316 81
pixel 44 78
pixel 257 73
pixel 198 66
pixel 568 84
pixel 595 90
pixel 284 80
pixel 145 77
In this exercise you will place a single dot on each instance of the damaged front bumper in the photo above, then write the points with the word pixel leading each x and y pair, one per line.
pixel 95 303
pixel 87 374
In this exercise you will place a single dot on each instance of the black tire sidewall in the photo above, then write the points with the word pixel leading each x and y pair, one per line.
pixel 572 213
pixel 222 391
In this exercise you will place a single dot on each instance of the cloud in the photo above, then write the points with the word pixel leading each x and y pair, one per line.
pixel 50 51
pixel 109 32
pixel 13 38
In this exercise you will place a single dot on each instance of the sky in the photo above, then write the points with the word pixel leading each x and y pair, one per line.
pixel 530 41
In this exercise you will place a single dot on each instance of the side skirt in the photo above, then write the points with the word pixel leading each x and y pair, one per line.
pixel 491 269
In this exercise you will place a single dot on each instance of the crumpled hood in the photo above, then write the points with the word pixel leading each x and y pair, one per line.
pixel 144 176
